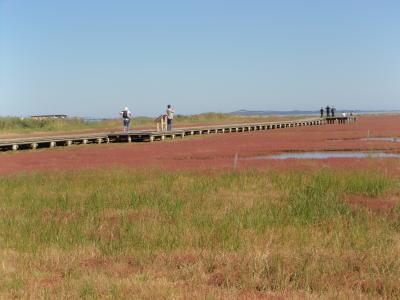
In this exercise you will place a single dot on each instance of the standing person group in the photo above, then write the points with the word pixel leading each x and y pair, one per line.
pixel 127 115
pixel 330 111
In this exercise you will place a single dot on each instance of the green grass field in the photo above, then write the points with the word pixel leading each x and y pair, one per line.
pixel 28 125
pixel 149 234
pixel 14 125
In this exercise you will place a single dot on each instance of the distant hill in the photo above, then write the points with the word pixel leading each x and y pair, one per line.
pixel 244 112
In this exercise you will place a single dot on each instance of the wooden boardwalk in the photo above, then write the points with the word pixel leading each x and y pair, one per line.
pixel 151 136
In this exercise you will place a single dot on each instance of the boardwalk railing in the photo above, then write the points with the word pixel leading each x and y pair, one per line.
pixel 150 136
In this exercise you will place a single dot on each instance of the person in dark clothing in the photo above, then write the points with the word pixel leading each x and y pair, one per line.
pixel 322 112
pixel 328 111
pixel 126 119
pixel 333 110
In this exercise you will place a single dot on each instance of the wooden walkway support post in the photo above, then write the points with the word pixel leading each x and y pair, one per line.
pixel 161 123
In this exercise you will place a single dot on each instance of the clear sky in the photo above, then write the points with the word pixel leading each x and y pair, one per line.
pixel 93 57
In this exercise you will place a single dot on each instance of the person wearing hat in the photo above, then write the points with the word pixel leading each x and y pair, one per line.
pixel 126 119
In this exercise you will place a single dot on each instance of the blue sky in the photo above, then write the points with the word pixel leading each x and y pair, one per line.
pixel 92 58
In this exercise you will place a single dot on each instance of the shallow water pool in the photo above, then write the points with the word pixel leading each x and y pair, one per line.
pixel 386 139
pixel 325 155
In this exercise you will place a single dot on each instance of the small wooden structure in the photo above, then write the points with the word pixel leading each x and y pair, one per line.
pixel 340 120
pixel 161 123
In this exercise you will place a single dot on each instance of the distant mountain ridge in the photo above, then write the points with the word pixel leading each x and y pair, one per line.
pixel 244 112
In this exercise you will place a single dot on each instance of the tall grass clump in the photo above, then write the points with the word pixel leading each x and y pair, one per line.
pixel 149 233
pixel 371 185
pixel 13 124
pixel 27 125
pixel 212 117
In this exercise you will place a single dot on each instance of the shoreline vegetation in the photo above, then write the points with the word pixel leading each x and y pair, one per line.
pixel 18 125
pixel 149 234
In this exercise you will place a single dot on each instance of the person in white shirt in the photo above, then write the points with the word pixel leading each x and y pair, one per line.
pixel 170 116
pixel 126 119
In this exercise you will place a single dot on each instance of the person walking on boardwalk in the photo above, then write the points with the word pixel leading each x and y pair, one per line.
pixel 322 112
pixel 126 119
pixel 170 116
pixel 328 111
pixel 333 110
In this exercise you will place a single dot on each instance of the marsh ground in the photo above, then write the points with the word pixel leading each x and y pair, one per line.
pixel 173 220
pixel 216 152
